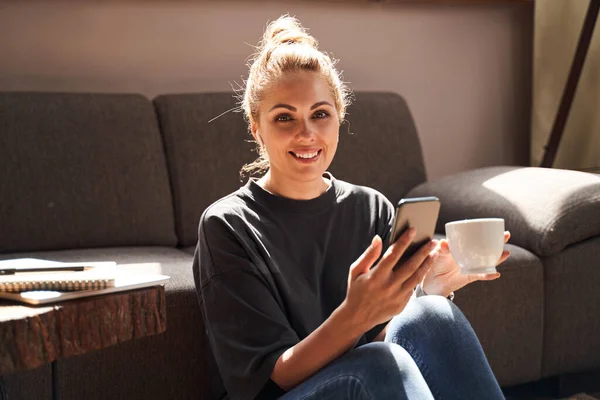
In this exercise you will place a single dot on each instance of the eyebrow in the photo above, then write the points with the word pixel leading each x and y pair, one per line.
pixel 287 106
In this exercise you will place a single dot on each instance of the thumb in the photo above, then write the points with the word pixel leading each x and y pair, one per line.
pixel 366 260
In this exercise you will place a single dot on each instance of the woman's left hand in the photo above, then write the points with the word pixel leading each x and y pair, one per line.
pixel 445 277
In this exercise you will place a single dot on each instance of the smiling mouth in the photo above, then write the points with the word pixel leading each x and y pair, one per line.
pixel 306 156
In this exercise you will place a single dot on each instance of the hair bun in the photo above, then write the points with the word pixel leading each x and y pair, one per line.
pixel 286 30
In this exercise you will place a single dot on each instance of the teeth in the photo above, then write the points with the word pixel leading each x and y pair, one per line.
pixel 306 155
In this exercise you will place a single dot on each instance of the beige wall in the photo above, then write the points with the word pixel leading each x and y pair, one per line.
pixel 465 70
pixel 557 28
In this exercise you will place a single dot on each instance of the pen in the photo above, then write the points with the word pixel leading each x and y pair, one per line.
pixel 12 271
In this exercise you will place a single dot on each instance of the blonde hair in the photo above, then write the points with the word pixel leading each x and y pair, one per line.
pixel 286 47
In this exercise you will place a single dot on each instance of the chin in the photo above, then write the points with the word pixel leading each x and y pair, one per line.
pixel 307 176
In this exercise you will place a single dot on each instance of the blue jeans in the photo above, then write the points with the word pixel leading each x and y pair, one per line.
pixel 430 352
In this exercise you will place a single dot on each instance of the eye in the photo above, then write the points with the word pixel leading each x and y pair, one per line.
pixel 283 118
pixel 321 114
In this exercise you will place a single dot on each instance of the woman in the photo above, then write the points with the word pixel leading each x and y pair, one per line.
pixel 294 305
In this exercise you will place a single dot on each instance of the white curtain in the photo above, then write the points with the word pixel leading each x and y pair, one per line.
pixel 557 27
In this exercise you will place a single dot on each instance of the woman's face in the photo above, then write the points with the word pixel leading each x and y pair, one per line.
pixel 298 125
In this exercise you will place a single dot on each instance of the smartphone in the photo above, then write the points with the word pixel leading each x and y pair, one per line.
pixel 419 212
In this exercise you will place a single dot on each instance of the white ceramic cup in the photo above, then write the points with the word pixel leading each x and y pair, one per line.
pixel 476 244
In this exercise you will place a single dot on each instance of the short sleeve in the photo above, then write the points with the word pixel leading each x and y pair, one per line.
pixel 246 325
pixel 386 219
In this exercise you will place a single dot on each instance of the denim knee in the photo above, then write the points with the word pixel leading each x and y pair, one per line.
pixel 385 360
pixel 430 319
pixel 388 371
pixel 374 371
pixel 443 344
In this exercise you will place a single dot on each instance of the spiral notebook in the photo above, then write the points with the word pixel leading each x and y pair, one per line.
pixel 48 287
pixel 27 274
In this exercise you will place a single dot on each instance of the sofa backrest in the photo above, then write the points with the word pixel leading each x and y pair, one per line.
pixel 378 147
pixel 81 170
pixel 204 157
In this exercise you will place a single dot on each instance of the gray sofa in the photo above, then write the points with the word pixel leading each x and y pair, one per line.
pixel 119 177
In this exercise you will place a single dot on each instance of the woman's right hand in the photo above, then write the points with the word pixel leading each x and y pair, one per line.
pixel 375 295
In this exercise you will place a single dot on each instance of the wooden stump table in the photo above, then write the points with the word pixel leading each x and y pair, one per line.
pixel 33 336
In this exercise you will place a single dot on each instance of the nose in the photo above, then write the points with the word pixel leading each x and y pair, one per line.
pixel 306 130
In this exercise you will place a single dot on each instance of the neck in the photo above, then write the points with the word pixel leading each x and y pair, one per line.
pixel 296 190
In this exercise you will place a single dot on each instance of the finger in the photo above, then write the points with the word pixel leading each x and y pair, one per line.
pixel 506 236
pixel 485 277
pixel 413 280
pixel 503 257
pixel 411 265
pixel 437 248
pixel 366 259
pixel 394 252
pixel 444 245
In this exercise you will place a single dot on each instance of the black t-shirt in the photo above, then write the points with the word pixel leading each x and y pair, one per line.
pixel 269 270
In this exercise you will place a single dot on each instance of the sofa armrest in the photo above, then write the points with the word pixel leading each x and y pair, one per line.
pixel 545 210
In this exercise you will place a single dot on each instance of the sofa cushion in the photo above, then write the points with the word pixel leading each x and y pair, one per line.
pixel 190 250
pixel 81 170
pixel 205 158
pixel 572 322
pixel 545 210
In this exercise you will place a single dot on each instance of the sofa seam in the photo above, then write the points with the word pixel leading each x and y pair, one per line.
pixel 172 175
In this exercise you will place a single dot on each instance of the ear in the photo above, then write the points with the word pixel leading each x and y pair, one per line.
pixel 255 133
